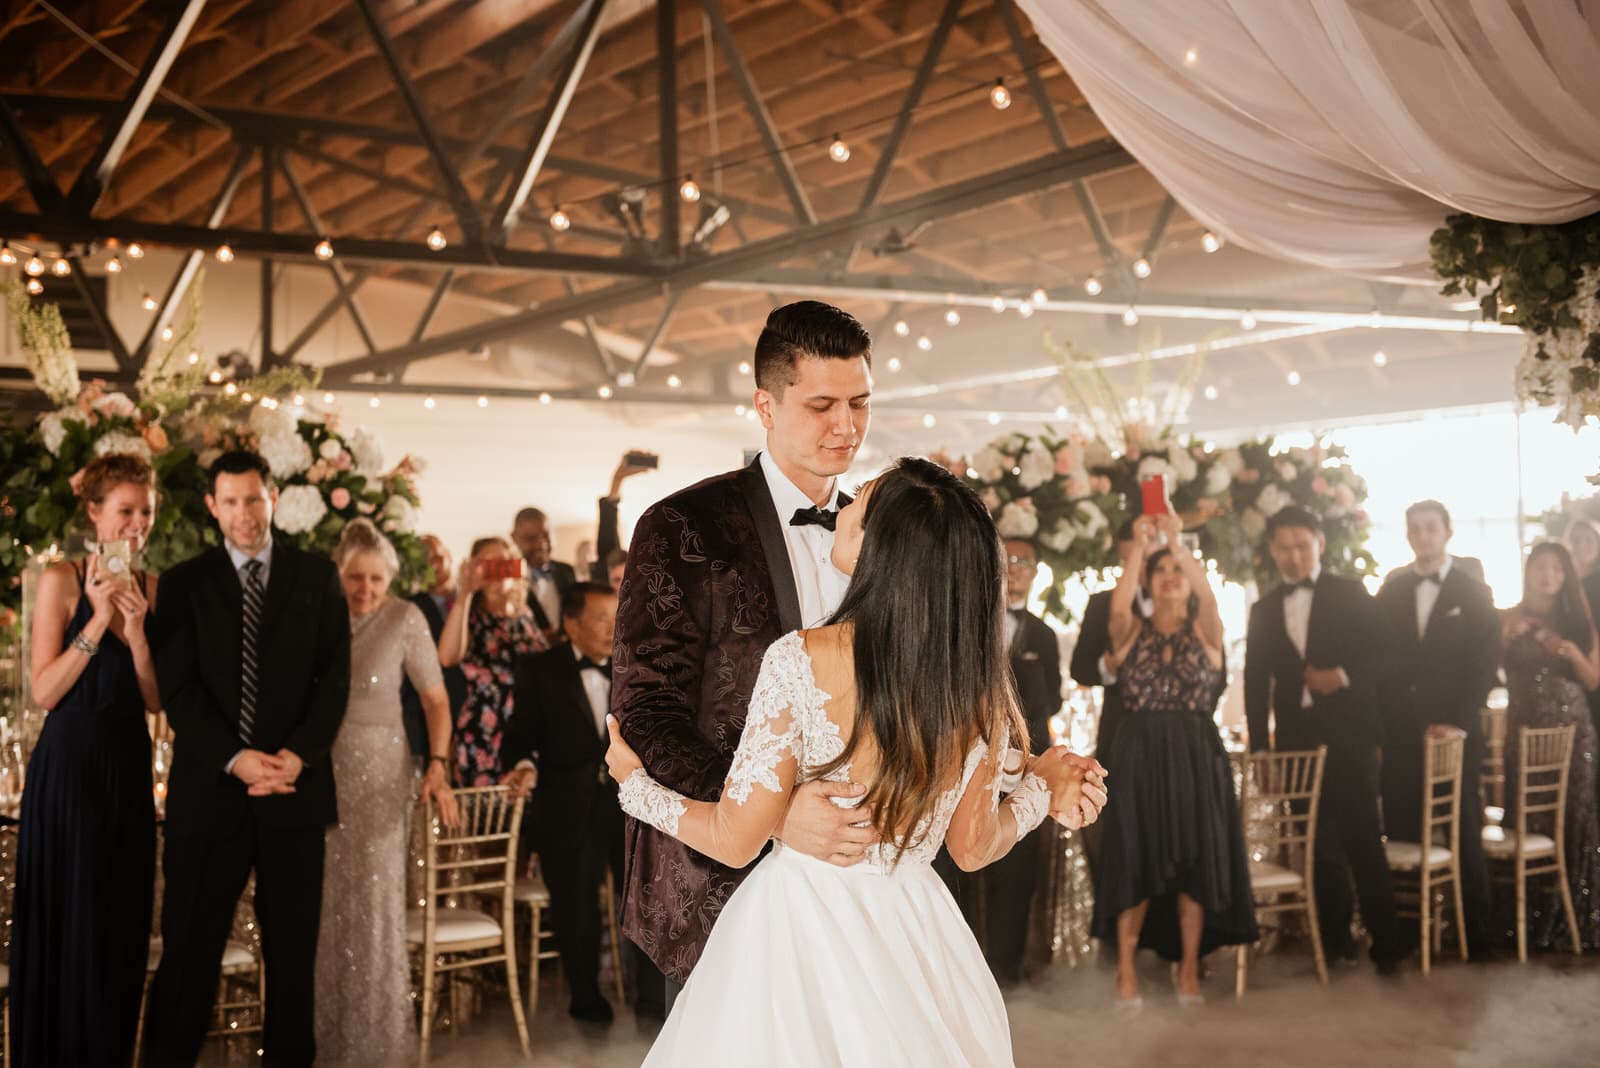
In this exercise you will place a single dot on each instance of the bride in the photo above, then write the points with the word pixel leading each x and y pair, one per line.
pixel 906 689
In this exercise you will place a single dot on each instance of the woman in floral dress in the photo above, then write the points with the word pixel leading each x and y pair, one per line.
pixel 489 626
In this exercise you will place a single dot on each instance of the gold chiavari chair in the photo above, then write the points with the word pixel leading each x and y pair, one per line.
pixel 1492 778
pixel 1544 759
pixel 241 994
pixel 532 893
pixel 1278 796
pixel 477 859
pixel 1433 865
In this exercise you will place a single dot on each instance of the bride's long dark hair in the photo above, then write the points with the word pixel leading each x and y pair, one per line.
pixel 927 607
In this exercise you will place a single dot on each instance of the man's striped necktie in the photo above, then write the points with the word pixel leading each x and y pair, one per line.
pixel 254 595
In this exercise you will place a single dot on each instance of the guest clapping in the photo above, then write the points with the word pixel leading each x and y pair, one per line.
pixel 491 624
pixel 1173 873
pixel 1551 658
pixel 86 850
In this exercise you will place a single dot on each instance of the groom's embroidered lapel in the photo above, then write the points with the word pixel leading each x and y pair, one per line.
pixel 770 531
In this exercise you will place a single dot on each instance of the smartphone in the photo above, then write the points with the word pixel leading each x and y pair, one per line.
pixel 500 569
pixel 1154 493
pixel 642 459
pixel 116 557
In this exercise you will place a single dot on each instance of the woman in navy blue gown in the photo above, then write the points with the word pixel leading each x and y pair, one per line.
pixel 86 847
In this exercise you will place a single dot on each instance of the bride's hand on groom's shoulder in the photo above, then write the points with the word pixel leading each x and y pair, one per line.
pixel 1077 786
pixel 621 760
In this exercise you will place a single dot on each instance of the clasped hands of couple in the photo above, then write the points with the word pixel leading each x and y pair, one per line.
pixel 817 827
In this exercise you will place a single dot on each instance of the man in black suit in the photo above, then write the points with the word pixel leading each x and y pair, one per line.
pixel 253 655
pixel 1093 662
pixel 1447 646
pixel 1314 658
pixel 434 603
pixel 548 580
pixel 562 699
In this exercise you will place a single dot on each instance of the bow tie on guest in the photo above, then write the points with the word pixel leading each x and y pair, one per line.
pixel 819 516
pixel 585 664
pixel 1432 577
pixel 1303 584
pixel 538 573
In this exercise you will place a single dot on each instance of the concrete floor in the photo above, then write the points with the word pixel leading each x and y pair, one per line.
pixel 1545 1014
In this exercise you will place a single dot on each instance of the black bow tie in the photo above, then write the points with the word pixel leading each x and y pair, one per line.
pixel 585 664
pixel 820 516
pixel 1303 584
pixel 1433 578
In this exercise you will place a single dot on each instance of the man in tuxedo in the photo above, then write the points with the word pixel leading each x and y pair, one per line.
pixel 562 699
pixel 715 574
pixel 1447 647
pixel 253 655
pixel 1094 662
pixel 1314 658
pixel 548 580
pixel 434 603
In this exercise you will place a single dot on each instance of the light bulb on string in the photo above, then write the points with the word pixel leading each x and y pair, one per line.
pixel 674 382
pixel 327 398
pixel 34 266
pixel 1000 96
pixel 427 402
pixel 224 254
pixel 230 389
pixel 894 363
pixel 952 317
pixel 1211 393
pixel 1293 378
pixel 1092 286
pixel 436 240
pixel 689 190
pixel 194 358
pixel 1130 318
pixel 902 328
pixel 147 302
pixel 1141 267
pixel 7 257
pixel 60 267
pixel 1191 57
pixel 1061 411
pixel 114 265
pixel 625 379
pixel 35 286
pixel 994 418
pixel 1380 358
pixel 929 422
pixel 166 333
pixel 924 342
pixel 135 250
pixel 1038 296
pixel 483 401
pixel 998 304
pixel 247 397
pixel 214 377
pixel 739 410
pixel 560 221
pixel 1210 241
pixel 1247 321
pixel 544 398
pixel 604 392
pixel 1025 309
pixel 838 151
pixel 374 401
pixel 744 367
pixel 299 400
pixel 324 250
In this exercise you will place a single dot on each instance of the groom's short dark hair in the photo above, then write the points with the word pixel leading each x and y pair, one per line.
pixel 811 329
pixel 238 462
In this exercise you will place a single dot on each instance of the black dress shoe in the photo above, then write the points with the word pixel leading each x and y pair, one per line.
pixel 595 1009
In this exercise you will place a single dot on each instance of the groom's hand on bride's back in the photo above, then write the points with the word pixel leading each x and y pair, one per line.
pixel 817 827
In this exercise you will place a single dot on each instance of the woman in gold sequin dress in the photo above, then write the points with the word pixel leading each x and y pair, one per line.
pixel 364 1008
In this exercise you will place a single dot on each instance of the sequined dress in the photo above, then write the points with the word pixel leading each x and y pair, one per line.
pixel 1544 693
pixel 364 1008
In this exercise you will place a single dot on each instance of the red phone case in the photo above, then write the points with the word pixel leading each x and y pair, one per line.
pixel 1155 501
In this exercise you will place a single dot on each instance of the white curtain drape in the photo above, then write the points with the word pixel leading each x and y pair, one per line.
pixel 1341 132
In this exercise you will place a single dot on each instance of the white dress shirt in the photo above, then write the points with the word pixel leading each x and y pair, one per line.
pixel 597 687
pixel 821 585
pixel 1297 621
pixel 543 587
pixel 1428 595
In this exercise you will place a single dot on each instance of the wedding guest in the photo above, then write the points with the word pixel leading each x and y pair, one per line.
pixel 608 540
pixel 692 627
pixel 1583 542
pixel 491 624
pixel 1174 874
pixel 1315 652
pixel 434 604
pixel 1551 659
pixel 1093 660
pixel 86 847
pixel 616 567
pixel 1446 658
pixel 253 654
pixel 547 579
pixel 364 1006
pixel 562 698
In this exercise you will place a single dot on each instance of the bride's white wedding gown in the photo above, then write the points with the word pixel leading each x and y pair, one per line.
pixel 812 965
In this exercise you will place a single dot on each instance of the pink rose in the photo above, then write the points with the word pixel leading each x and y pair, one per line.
pixel 343 462
pixel 339 498
pixel 1319 486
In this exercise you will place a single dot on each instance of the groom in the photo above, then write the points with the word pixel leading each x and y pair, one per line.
pixel 716 573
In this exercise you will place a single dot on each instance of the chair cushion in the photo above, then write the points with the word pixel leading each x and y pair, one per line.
pixel 531 890
pixel 1268 878
pixel 1407 856
pixel 1502 846
pixel 453 926
pixel 234 955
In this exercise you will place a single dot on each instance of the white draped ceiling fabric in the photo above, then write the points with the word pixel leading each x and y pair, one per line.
pixel 1341 132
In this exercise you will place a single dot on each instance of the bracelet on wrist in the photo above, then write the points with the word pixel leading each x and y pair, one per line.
pixel 444 761
pixel 84 645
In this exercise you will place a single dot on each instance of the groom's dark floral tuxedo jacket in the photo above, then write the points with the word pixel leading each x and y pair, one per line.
pixel 707 588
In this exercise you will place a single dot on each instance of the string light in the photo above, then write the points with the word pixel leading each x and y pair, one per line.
pixel 436 240
pixel 1141 267
pixel 902 328
pixel 373 401
pixel 147 302
pixel 1092 286
pixel 194 358
pixel 689 190
pixel 7 257
pixel 604 392
pixel 1038 296
pixel 561 222
pixel 1210 241
pixel 299 399
pixel 135 250
pixel 1191 57
pixel 1380 358
pixel 327 398
pixel 952 317
pixel 838 151
pixel 544 398
pixel 483 401
pixel 738 409
pixel 34 266
pixel 744 367
pixel 1211 393
pixel 1061 411
pixel 894 363
pixel 625 379
pixel 1025 309
pixel 998 304
pixel 113 266
pixel 224 254
pixel 1247 321
pixel 60 267
pixel 674 382
pixel 214 377
pixel 166 333
pixel 929 422
pixel 1000 96
pixel 1130 318
pixel 994 418
pixel 1294 378
pixel 230 389
pixel 35 286
pixel 924 342
pixel 324 249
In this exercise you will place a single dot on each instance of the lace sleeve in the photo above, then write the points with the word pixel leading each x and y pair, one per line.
pixel 772 726
pixel 1030 803
pixel 649 802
